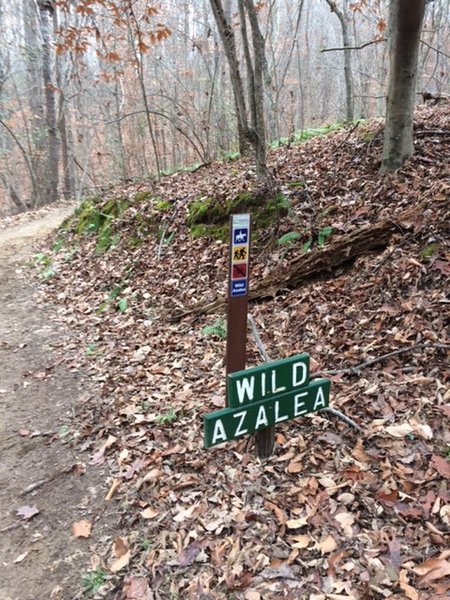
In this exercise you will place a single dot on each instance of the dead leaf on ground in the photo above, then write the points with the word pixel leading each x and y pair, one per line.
pixel 410 592
pixel 21 557
pixel 345 520
pixel 296 523
pixel 442 465
pixel 120 547
pixel 399 431
pixel 431 570
pixel 252 595
pixel 300 541
pixel 82 528
pixel 121 562
pixel 149 513
pixel 137 588
pixel 328 544
pixel 27 512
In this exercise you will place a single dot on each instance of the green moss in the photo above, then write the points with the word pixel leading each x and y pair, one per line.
pixel 162 205
pixel 200 210
pixel 134 241
pixel 141 196
pixel 114 207
pixel 274 209
pixel 209 217
pixel 430 250
pixel 94 216
pixel 86 218
pixel 213 232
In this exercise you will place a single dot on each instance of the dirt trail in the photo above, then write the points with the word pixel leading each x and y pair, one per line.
pixel 39 559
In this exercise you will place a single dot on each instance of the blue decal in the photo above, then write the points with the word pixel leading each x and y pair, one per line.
pixel 240 236
pixel 238 288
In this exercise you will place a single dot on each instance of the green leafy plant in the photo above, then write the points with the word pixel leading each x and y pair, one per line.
pixel 288 238
pixel 122 305
pixel 58 245
pixel 93 581
pixel 91 350
pixel 306 246
pixel 168 237
pixel 323 235
pixel 217 329
pixel 45 262
pixel 167 418
pixel 146 544
pixel 63 431
pixel 48 273
pixel 429 250
pixel 42 259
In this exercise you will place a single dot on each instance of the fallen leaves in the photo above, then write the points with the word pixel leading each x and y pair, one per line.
pixel 433 569
pixel 402 430
pixel 322 510
pixel 122 554
pixel 345 520
pixel 27 512
pixel 137 588
pixel 21 557
pixel 149 513
pixel 410 592
pixel 442 465
pixel 328 545
pixel 82 529
pixel 297 523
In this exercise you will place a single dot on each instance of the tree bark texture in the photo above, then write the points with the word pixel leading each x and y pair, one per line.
pixel 226 34
pixel 348 75
pixel 258 120
pixel 51 175
pixel 405 25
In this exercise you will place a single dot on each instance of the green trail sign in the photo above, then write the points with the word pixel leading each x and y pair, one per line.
pixel 231 423
pixel 267 380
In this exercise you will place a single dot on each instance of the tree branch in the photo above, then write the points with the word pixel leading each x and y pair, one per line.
pixel 435 49
pixel 356 370
pixel 354 47
pixel 24 153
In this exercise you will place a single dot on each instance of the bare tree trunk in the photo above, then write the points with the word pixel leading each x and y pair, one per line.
pixel 258 121
pixel 405 25
pixel 342 15
pixel 122 155
pixel 67 163
pixel 46 9
pixel 226 34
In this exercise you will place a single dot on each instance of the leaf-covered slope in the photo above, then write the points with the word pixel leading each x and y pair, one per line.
pixel 334 513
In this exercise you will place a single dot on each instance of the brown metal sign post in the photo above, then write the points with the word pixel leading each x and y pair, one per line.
pixel 238 287
pixel 238 280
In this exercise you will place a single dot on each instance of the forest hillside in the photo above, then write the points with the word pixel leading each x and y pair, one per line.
pixel 348 266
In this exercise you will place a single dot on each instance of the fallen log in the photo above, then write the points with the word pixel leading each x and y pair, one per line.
pixel 340 251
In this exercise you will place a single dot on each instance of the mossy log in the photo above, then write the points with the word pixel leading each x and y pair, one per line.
pixel 340 251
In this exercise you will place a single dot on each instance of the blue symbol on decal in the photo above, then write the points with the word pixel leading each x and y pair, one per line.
pixel 238 288
pixel 240 236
